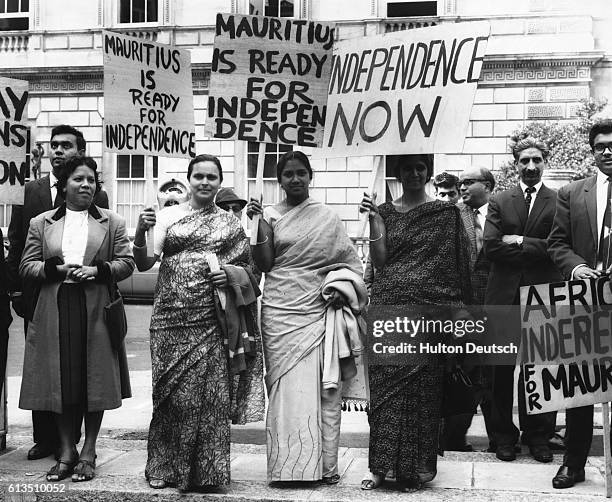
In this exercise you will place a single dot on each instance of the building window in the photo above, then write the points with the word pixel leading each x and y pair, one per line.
pixel 131 186
pixel 412 9
pixel 271 187
pixel 275 8
pixel 138 11
pixel 14 15
pixel 393 188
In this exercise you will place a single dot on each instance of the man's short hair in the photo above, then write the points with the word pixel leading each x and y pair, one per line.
pixel 487 175
pixel 68 129
pixel 446 180
pixel 603 126
pixel 523 142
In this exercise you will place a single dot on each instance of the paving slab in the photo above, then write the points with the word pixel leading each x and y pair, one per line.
pixel 513 477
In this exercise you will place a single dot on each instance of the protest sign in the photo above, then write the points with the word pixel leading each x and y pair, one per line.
pixel 14 140
pixel 148 98
pixel 566 344
pixel 404 92
pixel 269 80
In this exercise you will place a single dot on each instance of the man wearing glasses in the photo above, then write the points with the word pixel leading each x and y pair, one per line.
pixel 517 226
pixel 579 244
pixel 41 195
pixel 446 186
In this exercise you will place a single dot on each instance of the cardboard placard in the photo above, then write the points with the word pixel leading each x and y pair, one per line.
pixel 148 97
pixel 269 80
pixel 404 92
pixel 14 140
pixel 566 344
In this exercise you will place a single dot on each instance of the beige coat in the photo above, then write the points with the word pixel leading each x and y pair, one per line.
pixel 107 372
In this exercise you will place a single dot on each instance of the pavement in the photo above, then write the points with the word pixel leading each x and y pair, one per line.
pixel 122 454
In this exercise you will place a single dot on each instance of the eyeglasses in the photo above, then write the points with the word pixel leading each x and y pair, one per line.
pixel 469 181
pixel 602 147
pixel 234 208
pixel 526 160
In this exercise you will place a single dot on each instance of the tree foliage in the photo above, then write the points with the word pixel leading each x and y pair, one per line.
pixel 568 143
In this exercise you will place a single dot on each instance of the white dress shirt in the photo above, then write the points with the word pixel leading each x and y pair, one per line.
pixel 52 183
pixel 537 187
pixel 481 214
pixel 74 239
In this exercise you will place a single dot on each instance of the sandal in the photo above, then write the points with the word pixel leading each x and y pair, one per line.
pixel 85 470
pixel 157 483
pixel 372 484
pixel 411 486
pixel 331 480
pixel 57 473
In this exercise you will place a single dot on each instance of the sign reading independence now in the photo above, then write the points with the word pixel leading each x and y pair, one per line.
pixel 566 344
pixel 269 80
pixel 404 92
pixel 148 98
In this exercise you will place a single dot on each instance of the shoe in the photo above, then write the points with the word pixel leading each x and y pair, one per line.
pixel 505 452
pixel 567 477
pixel 556 442
pixel 157 483
pixel 85 470
pixel 541 452
pixel 42 450
pixel 410 486
pixel 331 480
pixel 466 447
pixel 372 484
pixel 61 470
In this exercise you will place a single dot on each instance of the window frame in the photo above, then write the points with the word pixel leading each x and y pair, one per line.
pixel 20 14
pixel 138 23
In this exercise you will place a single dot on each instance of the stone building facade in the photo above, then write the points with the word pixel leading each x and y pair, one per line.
pixel 543 57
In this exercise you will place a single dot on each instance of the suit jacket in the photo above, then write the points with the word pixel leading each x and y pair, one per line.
pixel 513 266
pixel 37 200
pixel 107 371
pixel 573 240
pixel 479 263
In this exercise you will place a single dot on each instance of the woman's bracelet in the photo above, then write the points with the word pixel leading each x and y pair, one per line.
pixel 377 238
pixel 262 242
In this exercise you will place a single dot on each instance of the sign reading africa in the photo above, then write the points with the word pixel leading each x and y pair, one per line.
pixel 14 140
pixel 566 344
pixel 269 80
pixel 148 98
pixel 404 92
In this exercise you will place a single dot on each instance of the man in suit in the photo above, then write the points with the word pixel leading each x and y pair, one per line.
pixel 518 223
pixel 41 195
pixel 579 244
pixel 475 186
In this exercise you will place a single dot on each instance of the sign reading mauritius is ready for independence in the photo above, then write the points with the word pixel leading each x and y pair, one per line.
pixel 148 98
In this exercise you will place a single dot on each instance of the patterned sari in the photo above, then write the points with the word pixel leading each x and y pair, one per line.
pixel 427 265
pixel 303 422
pixel 194 398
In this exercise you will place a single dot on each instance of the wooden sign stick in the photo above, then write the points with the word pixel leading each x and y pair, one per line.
pixel 213 264
pixel 150 201
pixel 261 157
pixel 605 411
pixel 378 166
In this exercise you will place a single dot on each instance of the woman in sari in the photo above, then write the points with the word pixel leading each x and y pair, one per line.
pixel 195 395
pixel 421 255
pixel 299 242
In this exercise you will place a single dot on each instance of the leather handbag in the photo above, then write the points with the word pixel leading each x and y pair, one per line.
pixel 458 394
pixel 114 317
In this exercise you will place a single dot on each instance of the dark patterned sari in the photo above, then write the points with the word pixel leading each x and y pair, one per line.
pixel 427 265
pixel 194 398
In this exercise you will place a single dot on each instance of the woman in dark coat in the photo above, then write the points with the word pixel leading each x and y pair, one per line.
pixel 74 253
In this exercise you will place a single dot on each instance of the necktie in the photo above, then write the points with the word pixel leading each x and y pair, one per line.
pixel 528 192
pixel 603 252
pixel 59 200
pixel 478 231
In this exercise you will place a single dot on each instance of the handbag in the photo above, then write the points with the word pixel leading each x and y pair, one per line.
pixel 114 317
pixel 459 397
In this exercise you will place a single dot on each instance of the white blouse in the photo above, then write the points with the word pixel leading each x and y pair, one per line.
pixel 74 240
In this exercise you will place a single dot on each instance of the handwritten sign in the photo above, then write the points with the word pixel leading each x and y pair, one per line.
pixel 14 140
pixel 566 344
pixel 404 92
pixel 148 98
pixel 269 80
